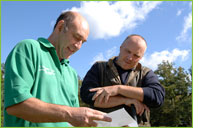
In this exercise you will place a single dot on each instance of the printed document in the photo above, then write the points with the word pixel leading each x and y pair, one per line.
pixel 120 118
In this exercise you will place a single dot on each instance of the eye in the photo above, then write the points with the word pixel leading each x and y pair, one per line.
pixel 136 56
pixel 77 38
pixel 128 51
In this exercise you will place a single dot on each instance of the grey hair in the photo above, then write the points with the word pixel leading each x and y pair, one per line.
pixel 68 17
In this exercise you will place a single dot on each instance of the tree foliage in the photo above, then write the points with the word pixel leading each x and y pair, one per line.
pixel 177 107
pixel 2 91
pixel 81 103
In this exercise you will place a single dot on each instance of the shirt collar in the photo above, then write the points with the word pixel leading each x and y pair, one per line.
pixel 115 62
pixel 45 43
pixel 64 61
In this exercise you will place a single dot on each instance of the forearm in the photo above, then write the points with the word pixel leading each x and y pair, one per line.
pixel 131 92
pixel 35 110
pixel 119 100
pixel 112 102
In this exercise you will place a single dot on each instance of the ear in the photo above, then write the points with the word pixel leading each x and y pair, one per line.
pixel 60 26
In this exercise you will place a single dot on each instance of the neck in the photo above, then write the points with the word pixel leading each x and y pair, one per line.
pixel 117 62
pixel 53 41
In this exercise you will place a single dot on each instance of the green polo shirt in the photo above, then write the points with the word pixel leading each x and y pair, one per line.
pixel 33 69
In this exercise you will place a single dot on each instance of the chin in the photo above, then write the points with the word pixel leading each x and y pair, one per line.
pixel 128 67
pixel 125 67
pixel 68 56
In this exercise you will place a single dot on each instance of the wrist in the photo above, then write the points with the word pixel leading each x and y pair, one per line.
pixel 119 88
pixel 67 114
pixel 128 101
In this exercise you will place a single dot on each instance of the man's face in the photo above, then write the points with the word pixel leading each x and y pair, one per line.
pixel 130 54
pixel 72 39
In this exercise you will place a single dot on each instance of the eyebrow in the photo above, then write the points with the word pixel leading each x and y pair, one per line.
pixel 131 52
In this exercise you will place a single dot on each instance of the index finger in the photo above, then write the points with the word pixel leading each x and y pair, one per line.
pixel 94 89
pixel 96 95
pixel 97 115
pixel 146 107
pixel 102 118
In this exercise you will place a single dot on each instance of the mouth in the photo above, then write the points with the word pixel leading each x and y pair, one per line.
pixel 72 51
pixel 127 62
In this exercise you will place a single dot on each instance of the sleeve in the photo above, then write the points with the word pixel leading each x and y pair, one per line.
pixel 19 75
pixel 154 93
pixel 91 80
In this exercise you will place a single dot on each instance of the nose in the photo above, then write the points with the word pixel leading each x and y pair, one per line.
pixel 129 57
pixel 78 44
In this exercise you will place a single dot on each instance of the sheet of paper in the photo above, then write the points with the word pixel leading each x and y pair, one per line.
pixel 119 118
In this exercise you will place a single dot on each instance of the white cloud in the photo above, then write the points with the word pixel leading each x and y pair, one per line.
pixel 98 57
pixel 111 52
pixel 104 57
pixel 179 12
pixel 156 58
pixel 109 19
pixel 187 26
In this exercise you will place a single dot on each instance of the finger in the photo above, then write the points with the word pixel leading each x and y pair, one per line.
pixel 101 97
pixel 96 112
pixel 98 115
pixel 84 123
pixel 142 111
pixel 107 98
pixel 136 107
pixel 146 108
pixel 102 118
pixel 92 123
pixel 97 94
pixel 139 110
pixel 94 89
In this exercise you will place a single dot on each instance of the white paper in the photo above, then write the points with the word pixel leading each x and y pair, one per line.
pixel 119 118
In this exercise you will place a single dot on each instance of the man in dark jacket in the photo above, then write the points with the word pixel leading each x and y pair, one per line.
pixel 124 82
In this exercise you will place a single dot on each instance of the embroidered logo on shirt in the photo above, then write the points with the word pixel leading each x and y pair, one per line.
pixel 46 70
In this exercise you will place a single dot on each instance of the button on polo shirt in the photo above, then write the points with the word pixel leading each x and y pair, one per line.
pixel 33 69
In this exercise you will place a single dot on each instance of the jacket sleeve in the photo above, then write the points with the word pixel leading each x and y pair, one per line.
pixel 154 93
pixel 91 80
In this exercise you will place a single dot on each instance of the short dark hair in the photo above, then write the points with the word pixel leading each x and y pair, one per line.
pixel 67 16
pixel 135 35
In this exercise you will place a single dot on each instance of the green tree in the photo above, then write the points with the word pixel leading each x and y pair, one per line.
pixel 177 107
pixel 2 92
pixel 81 103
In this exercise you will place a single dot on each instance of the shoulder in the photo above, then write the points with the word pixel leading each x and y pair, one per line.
pixel 99 63
pixel 148 73
pixel 25 48
pixel 145 70
pixel 27 44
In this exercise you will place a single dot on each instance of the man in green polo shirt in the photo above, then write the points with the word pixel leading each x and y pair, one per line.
pixel 41 88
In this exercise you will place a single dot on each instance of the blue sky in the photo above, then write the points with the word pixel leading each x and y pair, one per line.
pixel 166 26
